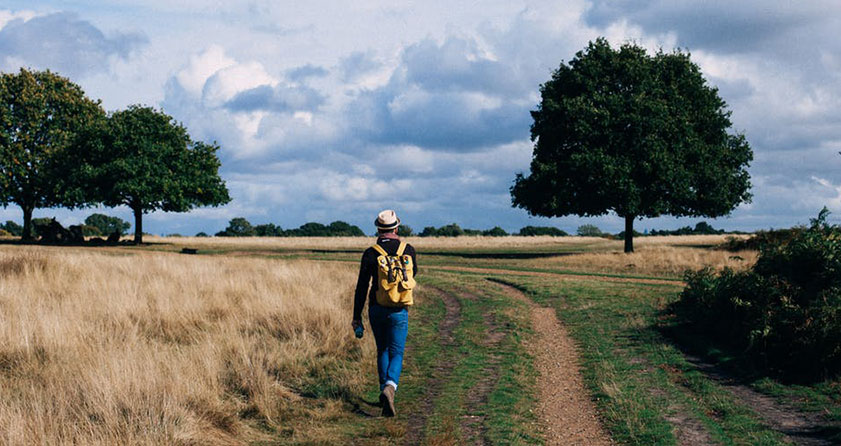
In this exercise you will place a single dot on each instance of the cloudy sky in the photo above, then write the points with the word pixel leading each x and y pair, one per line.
pixel 332 110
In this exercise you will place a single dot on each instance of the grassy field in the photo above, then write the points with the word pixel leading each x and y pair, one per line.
pixel 249 343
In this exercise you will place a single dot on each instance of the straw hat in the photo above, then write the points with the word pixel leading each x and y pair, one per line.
pixel 387 220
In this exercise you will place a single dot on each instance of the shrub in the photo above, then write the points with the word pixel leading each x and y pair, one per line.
pixel 786 312
pixel 589 231
pixel 91 231
pixel 405 230
pixel 542 230
pixel 40 225
pixel 5 233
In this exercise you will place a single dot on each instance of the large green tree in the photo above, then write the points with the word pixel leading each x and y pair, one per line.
pixel 42 116
pixel 619 130
pixel 147 161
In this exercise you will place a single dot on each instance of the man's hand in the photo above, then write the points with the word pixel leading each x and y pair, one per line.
pixel 356 323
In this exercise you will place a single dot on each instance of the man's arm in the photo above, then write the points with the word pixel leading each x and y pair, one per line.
pixel 362 284
pixel 414 256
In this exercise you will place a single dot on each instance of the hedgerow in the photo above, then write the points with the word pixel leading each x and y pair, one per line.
pixel 785 312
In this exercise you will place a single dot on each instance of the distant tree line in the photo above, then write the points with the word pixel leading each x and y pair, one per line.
pixel 240 227
pixel 454 230
pixel 58 148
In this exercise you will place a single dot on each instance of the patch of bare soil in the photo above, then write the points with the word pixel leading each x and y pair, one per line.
pixel 800 428
pixel 564 406
pixel 689 430
pixel 417 422
pixel 558 276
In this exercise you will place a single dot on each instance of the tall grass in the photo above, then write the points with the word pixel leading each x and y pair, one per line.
pixel 655 259
pixel 167 349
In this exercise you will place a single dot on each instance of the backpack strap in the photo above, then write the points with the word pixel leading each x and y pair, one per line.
pixel 380 249
pixel 401 248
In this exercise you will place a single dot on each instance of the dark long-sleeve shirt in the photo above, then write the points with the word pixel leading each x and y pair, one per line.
pixel 368 272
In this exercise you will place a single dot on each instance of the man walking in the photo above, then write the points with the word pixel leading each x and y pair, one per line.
pixel 391 264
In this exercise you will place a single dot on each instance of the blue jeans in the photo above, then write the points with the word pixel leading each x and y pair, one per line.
pixel 390 327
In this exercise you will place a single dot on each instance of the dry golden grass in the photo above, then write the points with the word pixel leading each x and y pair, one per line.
pixel 168 349
pixel 653 259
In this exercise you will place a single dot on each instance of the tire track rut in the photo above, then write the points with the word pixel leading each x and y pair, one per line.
pixel 415 430
pixel 473 422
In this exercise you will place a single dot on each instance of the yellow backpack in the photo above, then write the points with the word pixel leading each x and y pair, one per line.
pixel 394 277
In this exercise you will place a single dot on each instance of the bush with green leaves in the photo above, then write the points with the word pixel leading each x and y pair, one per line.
pixel 785 312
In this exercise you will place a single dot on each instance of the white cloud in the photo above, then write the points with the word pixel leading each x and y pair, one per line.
pixel 7 16
pixel 225 83
pixel 201 66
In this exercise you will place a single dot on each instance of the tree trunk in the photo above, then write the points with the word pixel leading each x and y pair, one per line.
pixel 629 233
pixel 138 225
pixel 27 223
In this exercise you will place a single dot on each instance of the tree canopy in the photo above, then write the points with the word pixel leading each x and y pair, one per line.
pixel 147 161
pixel 42 116
pixel 618 130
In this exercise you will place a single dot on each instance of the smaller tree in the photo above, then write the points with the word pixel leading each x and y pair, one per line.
pixel 450 230
pixel 405 230
pixel 238 227
pixel 107 225
pixel 147 161
pixel 429 231
pixel 342 229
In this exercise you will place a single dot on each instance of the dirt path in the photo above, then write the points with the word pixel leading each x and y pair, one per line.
pixel 415 430
pixel 557 276
pixel 564 405
pixel 798 427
